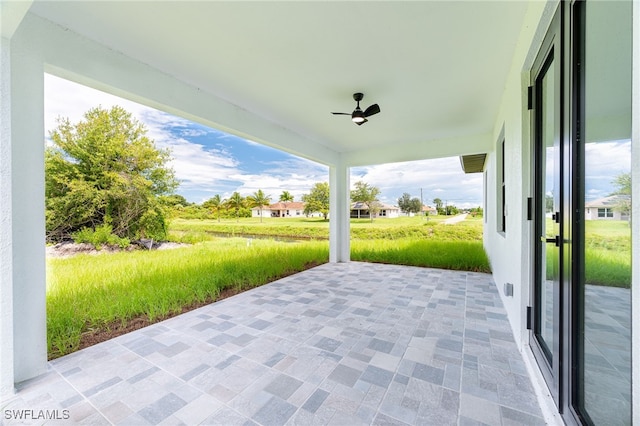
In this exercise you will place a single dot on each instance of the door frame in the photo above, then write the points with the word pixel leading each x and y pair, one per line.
pixel 553 44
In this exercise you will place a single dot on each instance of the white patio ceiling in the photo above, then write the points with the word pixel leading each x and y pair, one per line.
pixel 437 69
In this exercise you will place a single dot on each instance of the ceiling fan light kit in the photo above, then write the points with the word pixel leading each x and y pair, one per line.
pixel 358 116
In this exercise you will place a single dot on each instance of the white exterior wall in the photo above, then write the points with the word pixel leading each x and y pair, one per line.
pixel 257 213
pixel 509 253
pixel 6 221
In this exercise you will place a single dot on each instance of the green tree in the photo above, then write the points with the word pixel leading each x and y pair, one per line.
pixel 368 195
pixel 622 182
pixel 286 197
pixel 404 202
pixel 236 202
pixel 105 172
pixel 438 203
pixel 317 200
pixel 415 205
pixel 259 200
pixel 451 210
pixel 214 204
pixel 173 200
pixel 548 202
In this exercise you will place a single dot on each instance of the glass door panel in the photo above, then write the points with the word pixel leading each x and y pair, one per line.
pixel 604 342
pixel 548 227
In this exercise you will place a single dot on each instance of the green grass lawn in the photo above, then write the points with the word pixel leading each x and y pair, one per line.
pixel 88 293
pixel 608 253
pixel 189 230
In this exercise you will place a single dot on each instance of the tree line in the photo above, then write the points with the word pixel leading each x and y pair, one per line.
pixel 106 181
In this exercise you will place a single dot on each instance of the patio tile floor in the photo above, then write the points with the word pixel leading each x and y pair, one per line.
pixel 339 344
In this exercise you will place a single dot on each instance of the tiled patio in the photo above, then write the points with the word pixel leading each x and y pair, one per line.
pixel 340 344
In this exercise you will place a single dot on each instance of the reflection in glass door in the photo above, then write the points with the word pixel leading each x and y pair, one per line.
pixel 603 354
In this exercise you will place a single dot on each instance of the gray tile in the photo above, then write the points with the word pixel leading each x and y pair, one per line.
pixel 428 373
pixel 283 386
pixel 143 375
pixel 315 400
pixel 514 417
pixel 377 376
pixel 102 386
pixel 194 372
pixel 328 344
pixel 260 324
pixel 412 354
pixel 346 375
pixel 275 412
pixel 162 408
pixel 380 345
pixel 227 362
pixel 274 359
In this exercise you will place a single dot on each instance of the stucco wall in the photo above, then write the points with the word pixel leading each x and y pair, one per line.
pixel 509 252
pixel 6 267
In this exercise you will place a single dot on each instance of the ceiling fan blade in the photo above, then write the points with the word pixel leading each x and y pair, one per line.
pixel 373 109
pixel 362 122
pixel 341 113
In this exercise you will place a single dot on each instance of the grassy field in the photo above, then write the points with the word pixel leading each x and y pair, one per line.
pixel 608 253
pixel 89 293
pixel 190 231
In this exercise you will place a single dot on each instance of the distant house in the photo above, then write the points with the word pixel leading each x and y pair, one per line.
pixel 426 211
pixel 429 210
pixel 360 210
pixel 607 208
pixel 281 209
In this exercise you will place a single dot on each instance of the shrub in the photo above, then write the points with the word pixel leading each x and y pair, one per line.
pixel 100 236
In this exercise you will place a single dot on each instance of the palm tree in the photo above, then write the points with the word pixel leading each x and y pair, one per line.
pixel 236 201
pixel 438 203
pixel 286 197
pixel 259 200
pixel 215 204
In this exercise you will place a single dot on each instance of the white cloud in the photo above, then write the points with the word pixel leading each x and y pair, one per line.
pixel 295 175
pixel 436 178
pixel 204 171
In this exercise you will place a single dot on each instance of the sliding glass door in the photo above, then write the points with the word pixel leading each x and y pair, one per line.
pixel 603 276
pixel 581 211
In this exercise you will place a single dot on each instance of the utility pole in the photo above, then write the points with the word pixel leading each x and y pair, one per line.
pixel 421 204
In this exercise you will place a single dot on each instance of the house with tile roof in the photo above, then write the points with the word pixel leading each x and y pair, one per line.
pixel 608 208
pixel 282 209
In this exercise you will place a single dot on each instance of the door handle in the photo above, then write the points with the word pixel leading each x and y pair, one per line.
pixel 555 240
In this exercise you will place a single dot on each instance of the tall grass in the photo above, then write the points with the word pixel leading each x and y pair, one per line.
pixel 93 292
pixel 457 255
pixel 183 230
pixel 608 268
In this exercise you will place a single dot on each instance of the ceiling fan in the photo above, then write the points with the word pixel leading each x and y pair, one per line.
pixel 358 116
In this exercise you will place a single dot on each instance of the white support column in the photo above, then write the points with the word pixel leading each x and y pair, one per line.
pixel 27 211
pixel 339 202
pixel 6 258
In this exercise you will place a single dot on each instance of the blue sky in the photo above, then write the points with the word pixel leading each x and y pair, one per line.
pixel 209 162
